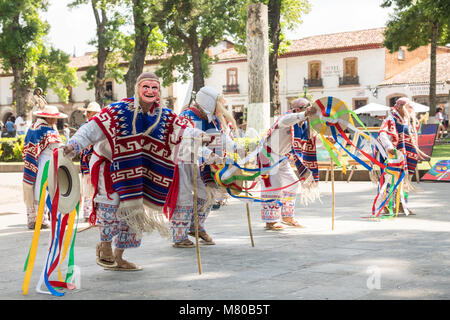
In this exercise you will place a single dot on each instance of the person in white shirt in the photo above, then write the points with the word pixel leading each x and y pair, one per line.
pixel 20 125
pixel 440 120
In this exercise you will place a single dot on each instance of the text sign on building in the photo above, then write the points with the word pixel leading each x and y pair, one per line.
pixel 424 90
pixel 330 71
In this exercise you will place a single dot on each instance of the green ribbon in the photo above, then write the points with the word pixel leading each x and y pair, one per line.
pixel 70 267
pixel 43 179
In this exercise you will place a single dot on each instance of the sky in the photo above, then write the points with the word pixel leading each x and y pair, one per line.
pixel 72 29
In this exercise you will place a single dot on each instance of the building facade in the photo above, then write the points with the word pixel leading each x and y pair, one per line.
pixel 352 66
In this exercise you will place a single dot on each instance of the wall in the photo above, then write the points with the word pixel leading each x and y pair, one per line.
pixel 395 65
pixel 294 69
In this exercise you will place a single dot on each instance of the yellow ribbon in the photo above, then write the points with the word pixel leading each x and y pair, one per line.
pixel 67 239
pixel 34 243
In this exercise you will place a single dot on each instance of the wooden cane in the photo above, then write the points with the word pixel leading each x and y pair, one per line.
pixel 332 193
pixel 249 221
pixel 199 261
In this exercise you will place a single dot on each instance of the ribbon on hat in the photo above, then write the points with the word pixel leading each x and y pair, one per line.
pixel 59 242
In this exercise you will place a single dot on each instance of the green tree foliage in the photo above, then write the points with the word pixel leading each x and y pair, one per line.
pixel 190 27
pixel 24 52
pixel 21 41
pixel 146 39
pixel 418 23
pixel 109 41
pixel 54 73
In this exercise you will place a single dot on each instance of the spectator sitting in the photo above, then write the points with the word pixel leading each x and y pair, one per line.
pixel 10 128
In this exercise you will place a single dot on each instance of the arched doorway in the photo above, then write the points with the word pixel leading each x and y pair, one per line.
pixel 391 99
pixel 5 113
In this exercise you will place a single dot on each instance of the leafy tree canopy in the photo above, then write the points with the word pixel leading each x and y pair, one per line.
pixel 411 23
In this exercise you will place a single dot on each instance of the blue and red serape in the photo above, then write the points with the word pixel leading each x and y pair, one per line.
pixel 38 137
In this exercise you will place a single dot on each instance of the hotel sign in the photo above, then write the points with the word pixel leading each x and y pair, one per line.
pixel 330 71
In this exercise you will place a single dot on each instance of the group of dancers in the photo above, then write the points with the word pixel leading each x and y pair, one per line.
pixel 139 165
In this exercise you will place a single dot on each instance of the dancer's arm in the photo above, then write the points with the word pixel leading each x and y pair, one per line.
pixel 293 118
pixel 88 134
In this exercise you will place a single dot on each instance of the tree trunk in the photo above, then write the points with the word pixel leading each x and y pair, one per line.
pixel 434 32
pixel 142 32
pixel 199 80
pixel 99 84
pixel 274 13
pixel 258 111
pixel 102 55
pixel 21 93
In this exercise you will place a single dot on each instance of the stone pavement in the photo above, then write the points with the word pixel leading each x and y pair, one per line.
pixel 403 258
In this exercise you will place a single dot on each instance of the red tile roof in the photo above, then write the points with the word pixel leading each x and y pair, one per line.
pixel 343 41
pixel 420 73
pixel 339 40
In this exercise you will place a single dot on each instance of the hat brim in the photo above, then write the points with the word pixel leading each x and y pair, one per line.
pixel 53 116
pixel 66 175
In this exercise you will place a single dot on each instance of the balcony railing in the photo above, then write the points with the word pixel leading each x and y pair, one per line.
pixel 230 88
pixel 314 82
pixel 348 80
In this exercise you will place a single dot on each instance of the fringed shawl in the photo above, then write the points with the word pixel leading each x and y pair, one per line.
pixel 304 150
pixel 401 140
pixel 38 137
pixel 143 167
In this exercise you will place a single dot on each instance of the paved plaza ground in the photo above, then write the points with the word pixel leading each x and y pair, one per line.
pixel 403 258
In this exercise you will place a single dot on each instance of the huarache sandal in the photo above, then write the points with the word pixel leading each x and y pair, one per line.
pixel 292 223
pixel 274 226
pixel 124 265
pixel 205 238
pixel 105 256
pixel 121 264
pixel 184 244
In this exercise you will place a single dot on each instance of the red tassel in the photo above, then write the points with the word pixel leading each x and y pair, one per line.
pixel 171 200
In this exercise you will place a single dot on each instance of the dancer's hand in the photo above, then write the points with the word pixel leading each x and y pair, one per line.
pixel 69 151
pixel 331 139
pixel 391 151
pixel 310 111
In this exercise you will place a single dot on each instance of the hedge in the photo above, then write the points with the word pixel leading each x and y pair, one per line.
pixel 11 148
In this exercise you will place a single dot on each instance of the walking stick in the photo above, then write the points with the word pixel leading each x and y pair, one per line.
pixel 332 193
pixel 199 262
pixel 248 219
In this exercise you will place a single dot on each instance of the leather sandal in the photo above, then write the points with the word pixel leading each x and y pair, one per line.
pixel 293 223
pixel 105 256
pixel 274 226
pixel 205 238
pixel 123 265
pixel 184 244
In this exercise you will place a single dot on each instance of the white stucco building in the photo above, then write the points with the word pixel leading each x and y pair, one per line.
pixel 352 66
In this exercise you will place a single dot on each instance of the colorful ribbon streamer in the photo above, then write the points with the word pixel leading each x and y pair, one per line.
pixel 62 237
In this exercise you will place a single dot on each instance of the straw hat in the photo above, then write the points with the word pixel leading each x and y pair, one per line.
pixel 68 181
pixel 50 112
pixel 92 106
pixel 329 106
